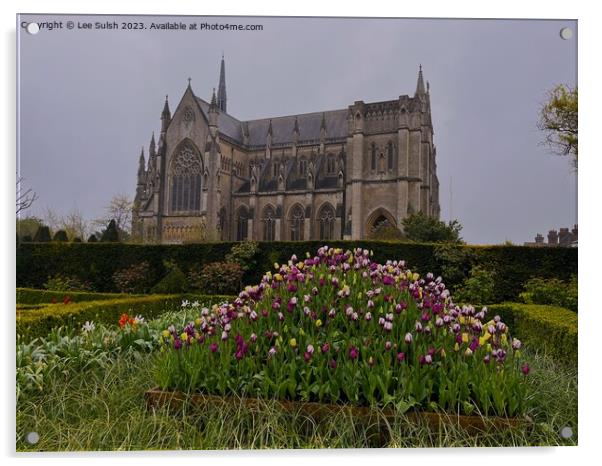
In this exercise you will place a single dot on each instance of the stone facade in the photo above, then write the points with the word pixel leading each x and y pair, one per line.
pixel 325 175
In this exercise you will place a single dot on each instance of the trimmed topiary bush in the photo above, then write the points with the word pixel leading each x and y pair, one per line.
pixel 97 262
pixel 174 282
pixel 42 235
pixel 550 329
pixel 60 235
pixel 33 323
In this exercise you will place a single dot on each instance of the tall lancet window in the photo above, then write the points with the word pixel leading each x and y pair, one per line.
pixel 186 171
pixel 326 222
pixel 390 151
pixel 297 219
pixel 373 157
pixel 242 225
pixel 269 224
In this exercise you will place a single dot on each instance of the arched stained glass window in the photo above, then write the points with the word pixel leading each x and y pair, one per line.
pixel 269 224
pixel 186 172
pixel 242 224
pixel 390 155
pixel 297 219
pixel 326 222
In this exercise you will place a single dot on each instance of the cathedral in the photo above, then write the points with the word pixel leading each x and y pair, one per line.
pixel 334 174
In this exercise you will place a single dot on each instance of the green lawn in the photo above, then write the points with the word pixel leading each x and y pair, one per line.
pixel 104 409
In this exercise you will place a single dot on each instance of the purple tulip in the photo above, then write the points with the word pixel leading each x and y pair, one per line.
pixel 353 353
pixel 332 364
pixel 401 357
pixel 368 316
pixel 253 337
pixel 388 345
pixel 525 369
pixel 408 338
pixel 325 348
pixel 213 347
pixel 177 344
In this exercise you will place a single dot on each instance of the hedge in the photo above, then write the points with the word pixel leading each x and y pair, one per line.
pixel 95 263
pixel 550 329
pixel 32 323
pixel 33 296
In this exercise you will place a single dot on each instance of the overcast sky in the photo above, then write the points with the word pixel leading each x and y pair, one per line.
pixel 90 99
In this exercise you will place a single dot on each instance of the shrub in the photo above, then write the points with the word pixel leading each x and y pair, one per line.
pixel 174 282
pixel 33 323
pixel 243 254
pixel 134 279
pixel 111 234
pixel 550 329
pixel 60 235
pixel 552 291
pixel 92 239
pixel 66 283
pixel 424 228
pixel 218 278
pixel 455 263
pixel 478 288
pixel 33 296
pixel 386 232
pixel 97 262
pixel 338 327
pixel 42 235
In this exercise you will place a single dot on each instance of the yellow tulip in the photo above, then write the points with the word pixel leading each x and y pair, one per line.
pixel 465 337
pixel 318 323
pixel 277 277
pixel 165 334
pixel 293 343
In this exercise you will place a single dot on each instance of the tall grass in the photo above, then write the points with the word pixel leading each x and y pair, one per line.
pixel 106 410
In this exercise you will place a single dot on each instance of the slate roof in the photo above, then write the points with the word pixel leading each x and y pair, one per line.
pixel 282 127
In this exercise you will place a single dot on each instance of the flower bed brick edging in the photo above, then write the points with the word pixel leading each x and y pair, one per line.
pixel 175 400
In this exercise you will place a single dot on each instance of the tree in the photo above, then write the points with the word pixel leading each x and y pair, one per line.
pixel 420 227
pixel 386 232
pixel 92 239
pixel 28 226
pixel 120 211
pixel 110 234
pixel 26 198
pixel 42 235
pixel 558 120
pixel 74 223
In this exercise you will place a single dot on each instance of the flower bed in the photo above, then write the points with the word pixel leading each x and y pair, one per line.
pixel 338 328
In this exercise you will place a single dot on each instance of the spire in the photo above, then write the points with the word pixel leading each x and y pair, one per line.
pixel 420 83
pixel 213 99
pixel 323 124
pixel 221 90
pixel 296 127
pixel 152 147
pixel 141 165
pixel 165 116
pixel 270 128
pixel 213 112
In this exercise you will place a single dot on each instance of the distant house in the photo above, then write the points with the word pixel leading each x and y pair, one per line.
pixel 560 238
